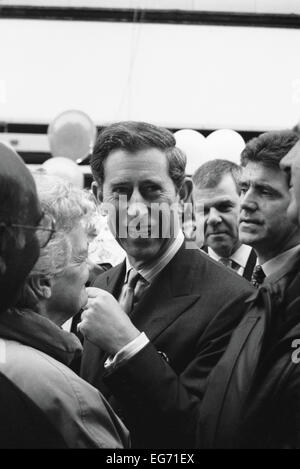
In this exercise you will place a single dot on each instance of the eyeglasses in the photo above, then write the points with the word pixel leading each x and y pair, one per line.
pixel 44 230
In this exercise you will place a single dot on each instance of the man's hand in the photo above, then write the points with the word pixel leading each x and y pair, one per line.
pixel 104 323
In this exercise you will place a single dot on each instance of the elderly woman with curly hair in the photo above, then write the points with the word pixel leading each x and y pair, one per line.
pixel 36 349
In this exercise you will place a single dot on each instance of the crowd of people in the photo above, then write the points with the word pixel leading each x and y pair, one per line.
pixel 190 341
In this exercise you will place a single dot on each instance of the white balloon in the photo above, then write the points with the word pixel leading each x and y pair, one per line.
pixel 72 135
pixel 225 144
pixel 193 144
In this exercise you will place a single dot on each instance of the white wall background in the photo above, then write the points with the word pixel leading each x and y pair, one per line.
pixel 177 76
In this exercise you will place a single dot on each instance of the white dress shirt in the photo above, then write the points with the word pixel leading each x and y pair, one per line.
pixel 240 257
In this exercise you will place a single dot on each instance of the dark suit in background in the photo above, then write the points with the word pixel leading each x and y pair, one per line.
pixel 249 267
pixel 259 358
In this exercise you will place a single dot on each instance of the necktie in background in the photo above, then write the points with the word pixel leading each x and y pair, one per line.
pixel 229 263
pixel 133 291
pixel 258 276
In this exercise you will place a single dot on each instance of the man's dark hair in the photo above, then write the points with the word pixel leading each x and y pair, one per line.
pixel 133 137
pixel 269 148
pixel 209 174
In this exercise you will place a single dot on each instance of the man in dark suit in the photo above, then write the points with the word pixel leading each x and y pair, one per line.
pixel 181 306
pixel 253 394
pixel 264 223
pixel 217 205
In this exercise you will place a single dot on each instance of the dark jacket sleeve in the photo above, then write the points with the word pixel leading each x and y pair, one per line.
pixel 161 406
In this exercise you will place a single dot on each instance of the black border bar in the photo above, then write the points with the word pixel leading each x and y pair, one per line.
pixel 131 15
pixel 30 128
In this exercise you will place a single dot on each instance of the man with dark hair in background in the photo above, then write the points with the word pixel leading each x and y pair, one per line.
pixel 264 222
pixel 253 394
pixel 152 352
pixel 217 193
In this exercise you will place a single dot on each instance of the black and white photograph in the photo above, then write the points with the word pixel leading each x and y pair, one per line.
pixel 149 227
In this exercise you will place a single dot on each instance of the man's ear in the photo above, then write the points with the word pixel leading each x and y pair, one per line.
pixel 186 190
pixel 41 285
pixel 97 192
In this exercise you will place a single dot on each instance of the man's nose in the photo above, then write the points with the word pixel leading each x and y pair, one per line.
pixel 214 216
pixel 285 162
pixel 248 201
pixel 137 205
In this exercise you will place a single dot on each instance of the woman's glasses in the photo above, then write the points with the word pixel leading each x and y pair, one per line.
pixel 44 230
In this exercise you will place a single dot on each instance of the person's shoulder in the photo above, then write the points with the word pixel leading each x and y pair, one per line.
pixel 31 362
pixel 200 260
pixel 40 374
pixel 211 275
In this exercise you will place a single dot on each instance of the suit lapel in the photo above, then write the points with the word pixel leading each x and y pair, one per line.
pixel 114 279
pixel 219 382
pixel 158 309
pixel 231 379
pixel 169 296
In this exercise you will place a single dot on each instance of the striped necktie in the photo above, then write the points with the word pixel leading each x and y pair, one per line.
pixel 258 276
pixel 134 288
pixel 225 261
pixel 229 263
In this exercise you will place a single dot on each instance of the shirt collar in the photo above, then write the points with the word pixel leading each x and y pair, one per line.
pixel 240 256
pixel 151 270
pixel 280 264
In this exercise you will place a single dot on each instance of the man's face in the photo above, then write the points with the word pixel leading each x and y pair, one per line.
pixel 139 189
pixel 264 223
pixel 221 209
pixel 291 165
pixel 68 292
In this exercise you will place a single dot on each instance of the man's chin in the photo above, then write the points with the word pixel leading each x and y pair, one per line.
pixel 218 238
pixel 142 249
pixel 249 238
pixel 223 250
pixel 137 242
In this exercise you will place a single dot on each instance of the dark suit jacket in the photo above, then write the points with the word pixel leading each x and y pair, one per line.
pixel 249 267
pixel 253 395
pixel 188 313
